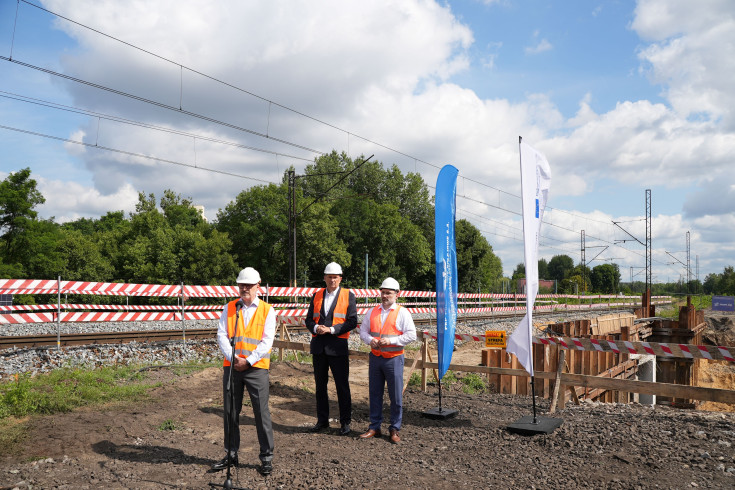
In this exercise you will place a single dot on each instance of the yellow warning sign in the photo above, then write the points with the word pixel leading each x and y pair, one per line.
pixel 495 338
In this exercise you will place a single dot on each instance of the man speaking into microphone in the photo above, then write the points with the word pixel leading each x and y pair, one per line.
pixel 252 323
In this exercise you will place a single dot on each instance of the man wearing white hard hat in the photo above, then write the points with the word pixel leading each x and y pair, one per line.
pixel 386 328
pixel 252 323
pixel 331 317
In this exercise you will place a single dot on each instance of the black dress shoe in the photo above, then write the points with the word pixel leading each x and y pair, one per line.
pixel 266 468
pixel 345 430
pixel 222 464
pixel 319 426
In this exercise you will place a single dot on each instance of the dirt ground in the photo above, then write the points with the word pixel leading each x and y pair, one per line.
pixel 597 445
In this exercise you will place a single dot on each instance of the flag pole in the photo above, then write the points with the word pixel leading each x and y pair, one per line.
pixel 521 341
pixel 529 308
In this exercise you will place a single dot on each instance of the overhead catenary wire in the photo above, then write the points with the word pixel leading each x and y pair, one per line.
pixel 140 155
pixel 237 127
pixel 100 115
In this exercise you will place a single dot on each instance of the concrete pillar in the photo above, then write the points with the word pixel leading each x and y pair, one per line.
pixel 646 372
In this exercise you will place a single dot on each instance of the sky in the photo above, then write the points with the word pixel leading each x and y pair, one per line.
pixel 103 99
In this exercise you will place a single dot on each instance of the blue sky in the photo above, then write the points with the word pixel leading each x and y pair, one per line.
pixel 621 96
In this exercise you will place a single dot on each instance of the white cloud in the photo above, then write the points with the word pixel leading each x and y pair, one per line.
pixel 381 70
pixel 692 54
pixel 76 149
pixel 68 201
pixel 543 45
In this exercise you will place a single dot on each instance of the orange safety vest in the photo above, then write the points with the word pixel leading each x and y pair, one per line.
pixel 340 309
pixel 247 338
pixel 388 330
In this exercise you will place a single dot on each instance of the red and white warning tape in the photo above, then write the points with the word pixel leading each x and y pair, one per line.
pixel 685 351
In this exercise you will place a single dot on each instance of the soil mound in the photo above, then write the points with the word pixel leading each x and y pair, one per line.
pixel 720 329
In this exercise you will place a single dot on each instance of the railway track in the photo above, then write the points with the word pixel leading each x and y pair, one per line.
pixel 105 338
pixel 151 336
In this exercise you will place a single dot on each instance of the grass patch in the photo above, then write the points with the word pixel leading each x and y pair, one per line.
pixel 414 380
pixel 169 425
pixel 65 389
pixel 290 356
pixel 702 302
pixel 473 383
pixel 13 433
pixel 449 378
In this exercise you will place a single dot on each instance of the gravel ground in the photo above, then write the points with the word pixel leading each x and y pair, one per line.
pixel 601 446
pixel 610 446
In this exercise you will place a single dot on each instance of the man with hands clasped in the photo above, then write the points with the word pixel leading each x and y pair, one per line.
pixel 386 328
pixel 332 315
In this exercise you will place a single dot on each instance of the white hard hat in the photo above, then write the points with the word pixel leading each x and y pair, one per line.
pixel 390 283
pixel 333 268
pixel 248 276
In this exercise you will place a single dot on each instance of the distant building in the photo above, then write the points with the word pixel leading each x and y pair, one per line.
pixel 200 208
pixel 542 283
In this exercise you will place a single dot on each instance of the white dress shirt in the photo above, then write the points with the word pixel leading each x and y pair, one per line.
pixel 328 300
pixel 264 346
pixel 404 324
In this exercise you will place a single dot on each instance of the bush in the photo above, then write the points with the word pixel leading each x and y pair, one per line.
pixel 473 383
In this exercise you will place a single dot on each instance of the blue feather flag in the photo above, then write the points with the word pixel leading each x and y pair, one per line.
pixel 446 264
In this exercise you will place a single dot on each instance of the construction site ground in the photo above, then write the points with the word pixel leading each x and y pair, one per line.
pixel 597 446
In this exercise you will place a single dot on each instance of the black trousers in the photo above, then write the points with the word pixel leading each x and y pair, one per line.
pixel 256 381
pixel 340 367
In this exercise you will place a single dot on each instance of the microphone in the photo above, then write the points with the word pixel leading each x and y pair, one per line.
pixel 238 306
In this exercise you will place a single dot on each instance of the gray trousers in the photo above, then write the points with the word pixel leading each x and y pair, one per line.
pixel 256 381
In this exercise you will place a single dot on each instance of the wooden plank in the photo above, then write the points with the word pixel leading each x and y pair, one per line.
pixel 424 358
pixel 557 383
pixel 410 371
pixel 521 384
pixel 633 386
pixel 505 381
pixel 538 364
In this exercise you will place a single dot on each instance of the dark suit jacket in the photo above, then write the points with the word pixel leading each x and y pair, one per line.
pixel 330 344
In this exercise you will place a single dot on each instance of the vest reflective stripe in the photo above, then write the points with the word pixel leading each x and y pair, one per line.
pixel 248 338
pixel 387 331
pixel 340 309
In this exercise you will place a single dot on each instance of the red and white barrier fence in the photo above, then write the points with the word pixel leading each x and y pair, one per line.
pixel 659 349
pixel 50 286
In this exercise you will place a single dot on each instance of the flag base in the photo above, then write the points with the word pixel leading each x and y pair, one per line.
pixel 439 413
pixel 525 426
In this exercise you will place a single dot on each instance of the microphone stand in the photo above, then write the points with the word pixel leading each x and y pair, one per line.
pixel 233 412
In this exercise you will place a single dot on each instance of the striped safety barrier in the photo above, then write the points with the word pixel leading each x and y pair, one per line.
pixel 659 349
pixel 50 286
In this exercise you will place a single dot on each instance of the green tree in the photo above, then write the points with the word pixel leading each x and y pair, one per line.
pixel 519 272
pixel 179 211
pixel 543 269
pixel 726 284
pixel 605 278
pixel 478 268
pixel 583 274
pixel 38 250
pixel 160 249
pixel 560 267
pixel 18 198
pixel 710 283
pixel 379 212
pixel 257 223
pixel 82 258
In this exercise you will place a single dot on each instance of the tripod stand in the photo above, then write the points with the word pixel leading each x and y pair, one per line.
pixel 233 411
